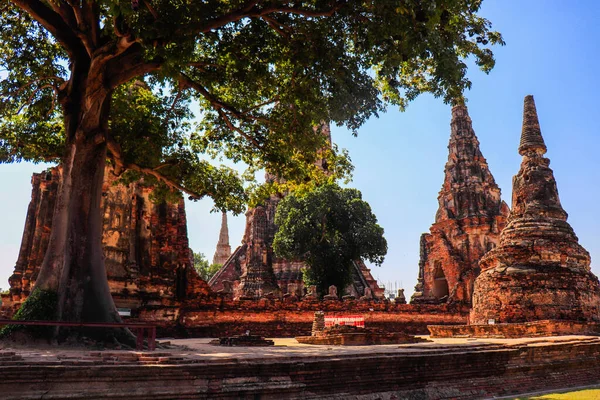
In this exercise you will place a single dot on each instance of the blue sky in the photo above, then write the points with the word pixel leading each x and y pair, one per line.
pixel 552 52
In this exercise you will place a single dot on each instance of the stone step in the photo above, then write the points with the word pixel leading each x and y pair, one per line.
pixel 10 358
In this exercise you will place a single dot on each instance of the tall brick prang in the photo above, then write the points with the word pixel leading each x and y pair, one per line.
pixel 468 222
pixel 539 271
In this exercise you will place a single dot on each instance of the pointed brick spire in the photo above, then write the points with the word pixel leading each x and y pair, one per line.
pixel 531 135
pixel 468 221
pixel 469 188
pixel 223 248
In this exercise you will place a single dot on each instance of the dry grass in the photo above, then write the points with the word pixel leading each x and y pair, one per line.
pixel 587 394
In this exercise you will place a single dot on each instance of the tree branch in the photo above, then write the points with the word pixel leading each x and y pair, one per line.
pixel 25 86
pixel 163 165
pixel 224 19
pixel 172 184
pixel 151 9
pixel 34 93
pixel 88 30
pixel 202 65
pixel 231 126
pixel 121 166
pixel 276 26
pixel 266 103
pixel 65 12
pixel 128 65
pixel 54 23
pixel 250 10
pixel 172 108
pixel 113 49
pixel 219 106
pixel 304 13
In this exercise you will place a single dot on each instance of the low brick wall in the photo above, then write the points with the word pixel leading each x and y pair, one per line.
pixel 274 318
pixel 516 330
pixel 449 374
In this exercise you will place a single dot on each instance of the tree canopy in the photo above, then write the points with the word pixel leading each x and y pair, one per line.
pixel 329 228
pixel 258 74
pixel 205 269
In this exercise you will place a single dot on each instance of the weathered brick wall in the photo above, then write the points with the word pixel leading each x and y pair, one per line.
pixel 274 318
pixel 517 330
pixel 452 374
pixel 468 222
pixel 145 244
pixel 539 270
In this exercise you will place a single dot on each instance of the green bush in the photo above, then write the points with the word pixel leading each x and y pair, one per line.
pixel 39 306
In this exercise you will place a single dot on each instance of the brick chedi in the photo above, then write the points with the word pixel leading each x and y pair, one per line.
pixel 254 271
pixel 539 271
pixel 223 251
pixel 467 224
pixel 147 255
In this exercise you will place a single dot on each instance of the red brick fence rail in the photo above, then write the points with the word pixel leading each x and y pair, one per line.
pixel 138 328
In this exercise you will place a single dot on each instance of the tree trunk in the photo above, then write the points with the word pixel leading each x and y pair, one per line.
pixel 73 267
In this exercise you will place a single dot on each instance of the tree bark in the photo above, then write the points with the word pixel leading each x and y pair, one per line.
pixel 73 266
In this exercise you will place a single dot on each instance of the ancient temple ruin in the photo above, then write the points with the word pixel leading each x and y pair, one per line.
pixel 254 271
pixel 223 250
pixel 539 270
pixel 467 224
pixel 147 255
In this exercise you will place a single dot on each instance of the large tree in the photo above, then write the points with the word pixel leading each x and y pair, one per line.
pixel 329 228
pixel 260 73
pixel 205 269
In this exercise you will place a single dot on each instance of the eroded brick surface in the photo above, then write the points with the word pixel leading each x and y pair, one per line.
pixel 215 316
pixel 147 254
pixel 253 271
pixel 539 271
pixel 467 224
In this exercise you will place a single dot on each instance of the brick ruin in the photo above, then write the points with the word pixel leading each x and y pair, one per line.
pixel 534 270
pixel 539 271
pixel 467 224
pixel 150 271
pixel 254 271
pixel 147 255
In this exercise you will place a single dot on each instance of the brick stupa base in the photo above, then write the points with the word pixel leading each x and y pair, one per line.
pixel 530 293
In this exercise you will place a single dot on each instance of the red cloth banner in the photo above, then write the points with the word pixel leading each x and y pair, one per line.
pixel 352 320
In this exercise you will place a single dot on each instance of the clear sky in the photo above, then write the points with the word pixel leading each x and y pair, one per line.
pixel 552 51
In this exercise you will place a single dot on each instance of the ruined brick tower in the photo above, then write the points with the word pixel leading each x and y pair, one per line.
pixel 467 224
pixel 147 255
pixel 539 271
pixel 223 250
pixel 258 278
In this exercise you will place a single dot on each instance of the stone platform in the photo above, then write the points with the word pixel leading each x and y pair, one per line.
pixel 516 330
pixel 345 335
pixel 442 369
pixel 359 339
